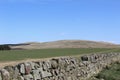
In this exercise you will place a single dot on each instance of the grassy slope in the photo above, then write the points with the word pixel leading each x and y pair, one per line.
pixel 112 73
pixel 45 53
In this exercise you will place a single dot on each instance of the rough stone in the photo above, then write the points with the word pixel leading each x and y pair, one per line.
pixel 54 63
pixel 32 65
pixel 36 75
pixel 5 74
pixel 20 78
pixel 84 58
pixel 22 68
pixel 28 68
pixel 10 70
pixel 0 76
pixel 28 77
pixel 45 74
pixel 16 73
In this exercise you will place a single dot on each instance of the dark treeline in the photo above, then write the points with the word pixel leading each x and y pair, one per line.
pixel 5 47
pixel 18 44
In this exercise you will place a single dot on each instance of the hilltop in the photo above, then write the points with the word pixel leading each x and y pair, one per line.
pixel 64 44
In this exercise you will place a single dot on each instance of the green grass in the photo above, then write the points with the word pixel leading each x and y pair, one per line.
pixel 45 53
pixel 112 73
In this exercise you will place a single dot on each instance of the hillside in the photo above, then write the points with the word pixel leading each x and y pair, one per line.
pixel 65 44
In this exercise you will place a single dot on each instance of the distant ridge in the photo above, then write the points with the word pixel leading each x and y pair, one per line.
pixel 65 44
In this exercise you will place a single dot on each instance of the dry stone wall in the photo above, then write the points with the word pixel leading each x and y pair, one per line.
pixel 64 68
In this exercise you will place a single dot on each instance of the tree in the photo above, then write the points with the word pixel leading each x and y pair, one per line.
pixel 5 47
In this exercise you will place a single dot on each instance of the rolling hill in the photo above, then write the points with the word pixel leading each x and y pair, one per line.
pixel 64 44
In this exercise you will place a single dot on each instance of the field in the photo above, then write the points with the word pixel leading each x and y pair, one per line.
pixel 15 55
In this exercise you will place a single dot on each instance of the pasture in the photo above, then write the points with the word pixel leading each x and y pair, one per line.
pixel 16 55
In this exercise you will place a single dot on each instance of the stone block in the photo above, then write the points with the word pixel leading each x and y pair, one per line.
pixel 54 63
pixel 84 58
pixel 22 68
pixel 28 77
pixel 28 68
pixel 5 74
pixel 36 75
pixel 45 74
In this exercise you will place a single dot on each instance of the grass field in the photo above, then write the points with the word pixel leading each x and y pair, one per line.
pixel 14 55
pixel 111 73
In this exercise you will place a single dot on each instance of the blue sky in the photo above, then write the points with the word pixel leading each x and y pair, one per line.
pixel 50 20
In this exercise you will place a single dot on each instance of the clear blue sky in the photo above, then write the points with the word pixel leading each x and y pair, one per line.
pixel 50 20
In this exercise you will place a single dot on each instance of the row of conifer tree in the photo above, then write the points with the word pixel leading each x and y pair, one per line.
pixel 4 47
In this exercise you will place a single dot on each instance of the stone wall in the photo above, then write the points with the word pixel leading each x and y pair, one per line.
pixel 64 68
